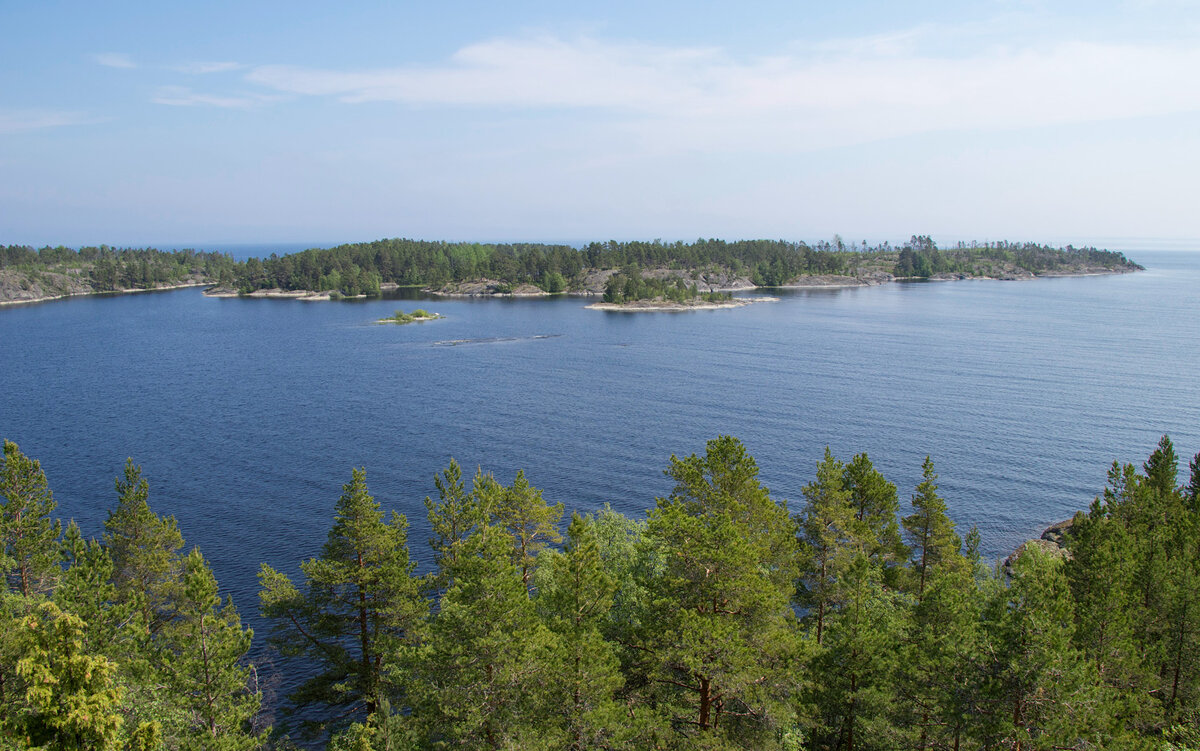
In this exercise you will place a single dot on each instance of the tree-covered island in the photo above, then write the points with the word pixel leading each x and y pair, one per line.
pixel 417 316
pixel 723 618
pixel 644 270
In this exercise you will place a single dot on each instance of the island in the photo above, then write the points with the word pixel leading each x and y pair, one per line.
pixel 418 316
pixel 465 269
pixel 52 273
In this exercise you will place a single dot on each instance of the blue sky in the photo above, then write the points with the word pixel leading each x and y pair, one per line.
pixel 203 123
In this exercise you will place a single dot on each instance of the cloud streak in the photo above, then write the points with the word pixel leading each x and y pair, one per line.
pixel 205 68
pixel 115 60
pixel 181 96
pixel 848 92
pixel 24 121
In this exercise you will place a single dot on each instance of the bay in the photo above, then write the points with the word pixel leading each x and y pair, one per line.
pixel 247 415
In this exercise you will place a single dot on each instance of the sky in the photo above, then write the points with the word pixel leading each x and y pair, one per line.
pixel 189 124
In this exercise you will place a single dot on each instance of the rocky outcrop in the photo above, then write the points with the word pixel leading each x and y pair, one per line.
pixel 1053 541
pixel 487 288
pixel 17 287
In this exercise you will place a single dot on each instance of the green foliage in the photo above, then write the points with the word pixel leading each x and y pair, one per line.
pixel 676 631
pixel 70 698
pixel 144 549
pixel 205 645
pixel 488 659
pixel 824 528
pixel 723 634
pixel 360 609
pixel 522 512
pixel 930 532
pixel 28 547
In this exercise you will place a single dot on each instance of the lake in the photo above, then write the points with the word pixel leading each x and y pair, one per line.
pixel 247 415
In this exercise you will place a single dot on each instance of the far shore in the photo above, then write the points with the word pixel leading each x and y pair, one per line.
pixel 93 293
pixel 663 306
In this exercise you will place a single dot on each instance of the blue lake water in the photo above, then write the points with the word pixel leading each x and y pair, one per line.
pixel 247 415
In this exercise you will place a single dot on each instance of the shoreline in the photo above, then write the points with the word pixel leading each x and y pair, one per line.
pixel 830 281
pixel 659 306
pixel 97 293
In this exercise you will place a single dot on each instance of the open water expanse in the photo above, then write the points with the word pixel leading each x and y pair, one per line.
pixel 247 415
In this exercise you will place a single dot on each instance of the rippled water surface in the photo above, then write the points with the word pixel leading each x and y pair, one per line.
pixel 247 415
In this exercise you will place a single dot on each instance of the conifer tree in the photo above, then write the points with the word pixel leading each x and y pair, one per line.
pixel 359 611
pixel 455 515
pixel 484 681
pixel 144 549
pixel 205 645
pixel 574 597
pixel 28 536
pixel 929 530
pixel 855 692
pixel 86 589
pixel 1042 693
pixel 875 505
pixel 825 526
pixel 724 633
pixel 531 522
pixel 1191 491
pixel 1108 616
pixel 937 679
pixel 70 701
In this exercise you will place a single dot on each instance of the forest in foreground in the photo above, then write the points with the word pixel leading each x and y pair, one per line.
pixel 359 269
pixel 723 619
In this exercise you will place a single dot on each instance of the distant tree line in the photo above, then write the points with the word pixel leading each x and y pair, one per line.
pixel 361 268
pixel 110 269
pixel 721 620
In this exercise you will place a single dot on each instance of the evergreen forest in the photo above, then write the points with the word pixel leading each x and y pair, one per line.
pixel 359 269
pixel 724 618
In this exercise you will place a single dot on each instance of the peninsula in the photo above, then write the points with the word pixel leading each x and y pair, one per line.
pixel 446 269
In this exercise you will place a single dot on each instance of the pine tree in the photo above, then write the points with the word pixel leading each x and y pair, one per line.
pixel 939 656
pixel 144 549
pixel 724 634
pixel 1042 693
pixel 1191 491
pixel 86 589
pixel 360 609
pixel 825 526
pixel 454 516
pixel 531 522
pixel 875 505
pixel 929 530
pixel 855 694
pixel 209 682
pixel 28 536
pixel 574 597
pixel 485 667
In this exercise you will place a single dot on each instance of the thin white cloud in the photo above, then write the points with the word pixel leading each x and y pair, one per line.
pixel 843 92
pixel 203 68
pixel 114 60
pixel 23 121
pixel 181 96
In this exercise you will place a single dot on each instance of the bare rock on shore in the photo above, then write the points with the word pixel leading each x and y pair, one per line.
pixel 1053 541
pixel 488 288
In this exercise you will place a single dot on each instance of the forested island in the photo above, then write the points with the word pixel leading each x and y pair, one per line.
pixel 29 275
pixel 629 271
pixel 724 618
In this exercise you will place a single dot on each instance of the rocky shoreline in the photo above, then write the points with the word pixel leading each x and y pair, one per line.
pixel 37 295
pixel 666 306
pixel 1053 541
pixel 16 291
